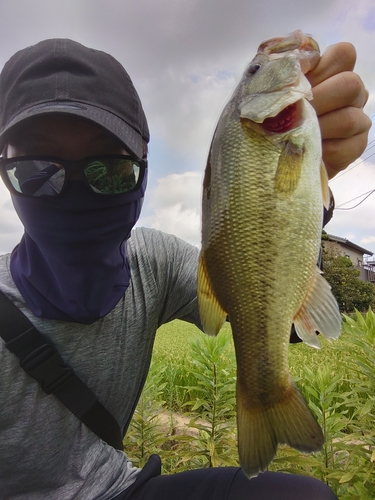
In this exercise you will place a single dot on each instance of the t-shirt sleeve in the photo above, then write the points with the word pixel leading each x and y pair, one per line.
pixel 173 264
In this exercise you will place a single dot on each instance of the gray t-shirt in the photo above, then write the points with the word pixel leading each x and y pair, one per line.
pixel 45 451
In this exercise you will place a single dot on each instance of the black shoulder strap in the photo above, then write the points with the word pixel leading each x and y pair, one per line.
pixel 43 362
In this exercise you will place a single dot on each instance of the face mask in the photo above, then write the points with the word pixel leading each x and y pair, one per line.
pixel 71 263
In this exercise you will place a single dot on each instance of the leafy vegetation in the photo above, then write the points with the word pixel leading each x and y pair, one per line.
pixel 111 176
pixel 212 407
pixel 193 376
pixel 350 291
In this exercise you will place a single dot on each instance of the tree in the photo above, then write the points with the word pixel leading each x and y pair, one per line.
pixel 350 291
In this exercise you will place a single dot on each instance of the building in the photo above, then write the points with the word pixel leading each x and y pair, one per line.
pixel 360 257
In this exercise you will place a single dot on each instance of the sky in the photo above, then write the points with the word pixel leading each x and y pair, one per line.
pixel 185 58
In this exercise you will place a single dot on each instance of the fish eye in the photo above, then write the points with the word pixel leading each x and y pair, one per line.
pixel 253 68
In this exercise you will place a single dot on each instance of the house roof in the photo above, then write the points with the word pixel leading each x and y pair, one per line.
pixel 349 244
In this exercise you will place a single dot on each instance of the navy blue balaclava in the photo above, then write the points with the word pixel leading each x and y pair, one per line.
pixel 71 263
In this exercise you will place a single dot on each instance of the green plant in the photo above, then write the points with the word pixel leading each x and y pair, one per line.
pixel 321 390
pixel 115 177
pixel 338 382
pixel 350 291
pixel 145 434
pixel 173 350
pixel 343 403
pixel 213 407
pixel 359 474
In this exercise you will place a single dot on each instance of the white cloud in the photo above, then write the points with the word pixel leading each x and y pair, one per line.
pixel 175 206
pixel 358 223
pixel 188 104
pixel 368 240
pixel 185 58
pixel 11 228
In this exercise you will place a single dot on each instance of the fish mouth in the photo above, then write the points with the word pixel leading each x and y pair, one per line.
pixel 307 47
pixel 287 119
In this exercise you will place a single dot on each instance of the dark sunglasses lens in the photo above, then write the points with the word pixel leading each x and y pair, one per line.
pixel 113 175
pixel 36 177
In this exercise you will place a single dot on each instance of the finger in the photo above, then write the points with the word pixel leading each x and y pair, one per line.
pixel 336 59
pixel 343 89
pixel 339 153
pixel 344 123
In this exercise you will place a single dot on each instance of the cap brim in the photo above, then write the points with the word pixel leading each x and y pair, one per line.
pixel 130 138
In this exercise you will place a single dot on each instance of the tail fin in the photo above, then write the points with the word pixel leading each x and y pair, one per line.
pixel 261 429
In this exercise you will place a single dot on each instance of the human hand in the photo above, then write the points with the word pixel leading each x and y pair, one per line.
pixel 339 98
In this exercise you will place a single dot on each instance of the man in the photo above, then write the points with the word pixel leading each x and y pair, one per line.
pixel 74 140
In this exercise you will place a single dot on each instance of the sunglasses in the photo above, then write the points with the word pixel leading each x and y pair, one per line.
pixel 44 176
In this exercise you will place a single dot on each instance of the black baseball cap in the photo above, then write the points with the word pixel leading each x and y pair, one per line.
pixel 64 76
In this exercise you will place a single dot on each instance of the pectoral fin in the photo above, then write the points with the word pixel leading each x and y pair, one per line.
pixel 289 168
pixel 319 312
pixel 212 314
pixel 324 184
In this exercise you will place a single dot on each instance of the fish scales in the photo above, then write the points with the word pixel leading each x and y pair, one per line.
pixel 259 274
pixel 261 228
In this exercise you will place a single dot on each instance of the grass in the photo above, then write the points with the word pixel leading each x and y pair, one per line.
pixel 194 375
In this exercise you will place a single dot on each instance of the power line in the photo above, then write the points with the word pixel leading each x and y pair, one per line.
pixel 356 165
pixel 367 148
pixel 373 146
pixel 369 193
pixel 351 168
pixel 365 159
pixel 353 199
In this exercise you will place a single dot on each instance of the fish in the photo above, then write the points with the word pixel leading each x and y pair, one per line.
pixel 264 189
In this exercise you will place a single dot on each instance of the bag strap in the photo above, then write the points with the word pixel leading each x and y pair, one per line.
pixel 43 362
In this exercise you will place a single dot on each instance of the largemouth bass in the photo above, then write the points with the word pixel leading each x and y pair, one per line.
pixel 263 195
